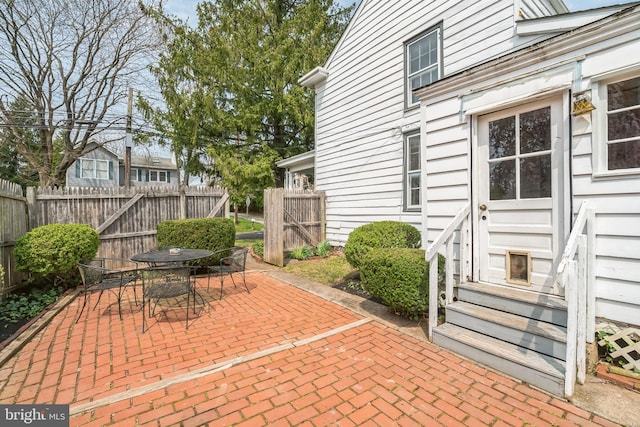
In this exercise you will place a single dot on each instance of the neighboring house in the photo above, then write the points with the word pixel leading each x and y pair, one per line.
pixel 299 171
pixel 500 135
pixel 155 171
pixel 100 167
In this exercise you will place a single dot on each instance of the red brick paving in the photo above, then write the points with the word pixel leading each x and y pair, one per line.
pixel 366 374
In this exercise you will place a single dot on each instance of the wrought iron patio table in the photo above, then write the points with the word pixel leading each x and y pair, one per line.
pixel 165 256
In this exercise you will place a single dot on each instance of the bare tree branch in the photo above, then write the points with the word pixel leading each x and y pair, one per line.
pixel 73 63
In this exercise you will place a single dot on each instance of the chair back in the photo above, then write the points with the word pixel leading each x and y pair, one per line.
pixel 92 271
pixel 166 281
pixel 238 258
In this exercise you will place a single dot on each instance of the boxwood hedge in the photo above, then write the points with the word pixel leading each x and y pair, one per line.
pixel 202 233
pixel 398 276
pixel 382 234
pixel 51 252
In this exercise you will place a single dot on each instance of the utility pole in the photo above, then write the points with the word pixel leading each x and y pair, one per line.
pixel 128 142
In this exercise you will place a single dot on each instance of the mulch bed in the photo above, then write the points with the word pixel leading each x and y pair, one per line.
pixel 8 330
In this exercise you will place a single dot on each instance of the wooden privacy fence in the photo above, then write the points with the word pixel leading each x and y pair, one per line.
pixel 126 219
pixel 292 219
pixel 13 224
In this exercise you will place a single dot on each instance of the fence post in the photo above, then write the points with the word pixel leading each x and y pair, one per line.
pixel 323 217
pixel 31 208
pixel 274 226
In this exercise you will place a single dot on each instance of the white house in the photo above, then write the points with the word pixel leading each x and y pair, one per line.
pixel 493 156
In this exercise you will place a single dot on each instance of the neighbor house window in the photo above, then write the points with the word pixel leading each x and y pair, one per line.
pixel 134 174
pixel 412 171
pixel 423 62
pixel 94 169
pixel 158 176
pixel 623 124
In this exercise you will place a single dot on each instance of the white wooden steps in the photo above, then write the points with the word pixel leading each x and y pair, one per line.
pixel 520 333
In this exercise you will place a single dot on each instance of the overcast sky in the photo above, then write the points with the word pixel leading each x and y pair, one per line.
pixel 186 9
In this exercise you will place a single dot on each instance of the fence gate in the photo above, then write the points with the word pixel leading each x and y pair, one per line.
pixel 292 219
pixel 13 224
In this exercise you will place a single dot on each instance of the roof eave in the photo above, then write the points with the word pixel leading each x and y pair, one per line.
pixel 556 24
pixel 314 78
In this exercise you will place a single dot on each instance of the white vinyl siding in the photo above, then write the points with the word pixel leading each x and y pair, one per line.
pixel 360 109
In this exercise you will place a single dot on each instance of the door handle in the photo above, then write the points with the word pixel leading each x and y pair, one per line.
pixel 482 207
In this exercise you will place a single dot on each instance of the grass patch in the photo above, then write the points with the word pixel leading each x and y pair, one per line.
pixel 328 271
pixel 246 226
pixel 247 242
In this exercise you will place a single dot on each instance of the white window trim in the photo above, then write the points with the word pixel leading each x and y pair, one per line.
pixel 599 127
pixel 158 172
pixel 406 181
pixel 134 174
pixel 94 168
pixel 407 78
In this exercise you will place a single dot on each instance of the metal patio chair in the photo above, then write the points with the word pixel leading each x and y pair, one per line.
pixel 165 282
pixel 234 262
pixel 107 274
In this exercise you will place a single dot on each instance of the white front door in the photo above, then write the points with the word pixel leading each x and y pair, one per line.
pixel 519 195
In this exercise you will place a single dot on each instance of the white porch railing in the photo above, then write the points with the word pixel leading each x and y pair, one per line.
pixel 575 275
pixel 461 222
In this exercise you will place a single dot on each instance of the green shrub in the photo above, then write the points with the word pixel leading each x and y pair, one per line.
pixel 305 252
pixel 399 278
pixel 202 233
pixel 51 252
pixel 323 249
pixel 258 248
pixel 383 234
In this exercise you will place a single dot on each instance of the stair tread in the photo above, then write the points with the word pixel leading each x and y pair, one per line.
pixel 513 321
pixel 527 358
pixel 516 294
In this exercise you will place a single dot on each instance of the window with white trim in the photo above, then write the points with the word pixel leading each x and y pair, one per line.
pixel 622 125
pixel 412 171
pixel 157 176
pixel 423 63
pixel 134 174
pixel 94 169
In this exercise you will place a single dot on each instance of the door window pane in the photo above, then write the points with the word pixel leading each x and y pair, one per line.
pixel 535 177
pixel 535 131
pixel 502 180
pixel 502 138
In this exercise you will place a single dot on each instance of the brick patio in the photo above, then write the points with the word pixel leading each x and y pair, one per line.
pixel 278 356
